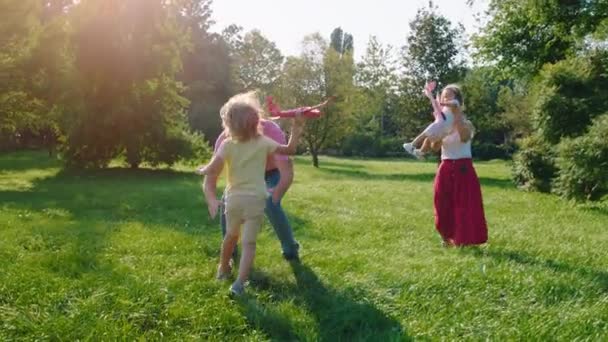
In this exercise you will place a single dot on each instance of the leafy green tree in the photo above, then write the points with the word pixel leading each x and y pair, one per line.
pixel 127 54
pixel 259 62
pixel 319 72
pixel 207 68
pixel 433 52
pixel 523 35
pixel 376 79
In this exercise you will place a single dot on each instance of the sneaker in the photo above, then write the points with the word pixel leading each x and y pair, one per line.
pixel 409 148
pixel 293 255
pixel 237 288
pixel 418 154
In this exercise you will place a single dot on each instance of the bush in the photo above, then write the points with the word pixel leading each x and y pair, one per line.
pixel 583 164
pixel 368 145
pixel 534 164
pixel 488 151
pixel 568 95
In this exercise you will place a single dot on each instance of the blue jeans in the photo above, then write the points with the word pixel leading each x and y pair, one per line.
pixel 276 216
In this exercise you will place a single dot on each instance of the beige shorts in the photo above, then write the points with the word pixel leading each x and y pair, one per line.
pixel 247 210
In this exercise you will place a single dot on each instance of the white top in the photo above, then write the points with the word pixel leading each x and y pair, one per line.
pixel 453 148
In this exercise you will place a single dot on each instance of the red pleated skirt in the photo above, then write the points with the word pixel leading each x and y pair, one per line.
pixel 459 215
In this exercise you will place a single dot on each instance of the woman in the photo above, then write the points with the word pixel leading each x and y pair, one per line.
pixel 459 214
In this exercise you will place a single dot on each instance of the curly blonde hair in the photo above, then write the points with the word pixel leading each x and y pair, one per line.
pixel 241 116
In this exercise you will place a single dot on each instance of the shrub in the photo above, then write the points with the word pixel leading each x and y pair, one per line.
pixel 488 151
pixel 583 163
pixel 534 164
pixel 368 145
pixel 568 95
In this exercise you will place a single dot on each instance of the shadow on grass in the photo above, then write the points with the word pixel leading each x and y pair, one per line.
pixel 597 276
pixel 339 315
pixel 416 177
pixel 163 197
pixel 27 160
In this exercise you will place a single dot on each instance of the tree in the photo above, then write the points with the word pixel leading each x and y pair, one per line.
pixel 432 52
pixel 127 54
pixel 259 62
pixel 523 35
pixel 317 73
pixel 434 48
pixel 32 65
pixel 376 79
pixel 341 42
pixel 207 68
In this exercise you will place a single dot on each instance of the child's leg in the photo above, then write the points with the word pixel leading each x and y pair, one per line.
pixel 250 231
pixel 234 217
pixel 426 146
pixel 436 146
pixel 228 246
pixel 419 140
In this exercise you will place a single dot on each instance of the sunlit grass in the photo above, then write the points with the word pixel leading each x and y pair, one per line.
pixel 121 254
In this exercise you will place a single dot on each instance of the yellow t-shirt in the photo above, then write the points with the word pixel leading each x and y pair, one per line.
pixel 245 164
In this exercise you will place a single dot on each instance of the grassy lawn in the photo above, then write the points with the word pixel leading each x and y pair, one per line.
pixel 121 254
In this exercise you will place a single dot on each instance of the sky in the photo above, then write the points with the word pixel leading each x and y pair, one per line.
pixel 286 22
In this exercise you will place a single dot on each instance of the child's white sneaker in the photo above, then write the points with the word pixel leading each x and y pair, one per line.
pixel 418 154
pixel 409 148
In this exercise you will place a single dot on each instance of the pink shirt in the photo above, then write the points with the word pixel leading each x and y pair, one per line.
pixel 271 130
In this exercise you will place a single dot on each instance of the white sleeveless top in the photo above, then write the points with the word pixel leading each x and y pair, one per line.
pixel 453 148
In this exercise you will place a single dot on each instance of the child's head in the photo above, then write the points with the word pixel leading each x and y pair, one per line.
pixel 241 116
pixel 452 92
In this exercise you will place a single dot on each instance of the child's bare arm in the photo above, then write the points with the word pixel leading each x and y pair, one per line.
pixel 428 91
pixel 296 131
pixel 211 173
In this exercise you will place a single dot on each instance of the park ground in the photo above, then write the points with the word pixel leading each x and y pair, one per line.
pixel 128 254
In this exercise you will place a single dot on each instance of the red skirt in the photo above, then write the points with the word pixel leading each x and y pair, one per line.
pixel 459 215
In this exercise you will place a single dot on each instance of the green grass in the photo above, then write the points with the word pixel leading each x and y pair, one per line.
pixel 121 254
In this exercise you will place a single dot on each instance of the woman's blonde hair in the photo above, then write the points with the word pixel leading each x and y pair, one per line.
pixel 241 116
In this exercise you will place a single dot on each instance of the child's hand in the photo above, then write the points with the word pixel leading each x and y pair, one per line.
pixel 213 206
pixel 428 89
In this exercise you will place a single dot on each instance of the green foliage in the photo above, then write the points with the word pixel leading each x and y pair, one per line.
pixel 432 52
pixel 130 100
pixel 376 81
pixel 318 73
pixel 488 151
pixel 258 62
pixel 481 92
pixel 433 48
pixel 342 42
pixel 534 164
pixel 523 35
pixel 515 111
pixel 370 145
pixel 568 95
pixel 208 67
pixel 32 72
pixel 583 163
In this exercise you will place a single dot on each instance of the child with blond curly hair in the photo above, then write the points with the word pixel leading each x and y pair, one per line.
pixel 243 153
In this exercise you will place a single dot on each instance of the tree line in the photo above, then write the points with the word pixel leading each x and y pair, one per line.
pixel 143 80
